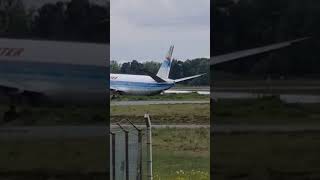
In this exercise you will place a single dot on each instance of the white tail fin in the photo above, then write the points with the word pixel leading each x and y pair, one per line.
pixel 166 65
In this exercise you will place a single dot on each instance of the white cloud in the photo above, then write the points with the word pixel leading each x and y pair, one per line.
pixel 144 29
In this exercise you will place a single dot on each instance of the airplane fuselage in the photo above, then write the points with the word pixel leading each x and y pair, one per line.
pixel 58 82
pixel 137 84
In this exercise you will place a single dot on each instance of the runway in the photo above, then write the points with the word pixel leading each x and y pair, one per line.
pixel 288 98
pixel 137 103
pixel 264 88
pixel 202 90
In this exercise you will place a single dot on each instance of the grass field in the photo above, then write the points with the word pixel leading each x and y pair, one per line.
pixel 164 114
pixel 268 110
pixel 57 115
pixel 177 154
pixel 167 97
pixel 266 156
pixel 91 115
pixel 279 156
pixel 181 154
pixel 64 158
pixel 73 155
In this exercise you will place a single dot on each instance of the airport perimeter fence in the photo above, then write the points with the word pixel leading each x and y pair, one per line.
pixel 127 144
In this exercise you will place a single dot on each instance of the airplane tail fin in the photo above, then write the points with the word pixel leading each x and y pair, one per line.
pixel 166 65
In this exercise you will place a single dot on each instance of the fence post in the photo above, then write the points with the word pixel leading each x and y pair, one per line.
pixel 127 155
pixel 140 154
pixel 139 177
pixel 126 150
pixel 113 136
pixel 149 147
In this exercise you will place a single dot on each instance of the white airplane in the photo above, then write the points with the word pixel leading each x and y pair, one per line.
pixel 53 71
pixel 77 72
pixel 146 84
pixel 128 84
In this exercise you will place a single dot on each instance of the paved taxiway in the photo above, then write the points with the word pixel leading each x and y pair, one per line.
pixel 131 103
pixel 288 98
pixel 264 88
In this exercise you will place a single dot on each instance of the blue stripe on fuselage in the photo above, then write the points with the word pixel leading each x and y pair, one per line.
pixel 140 86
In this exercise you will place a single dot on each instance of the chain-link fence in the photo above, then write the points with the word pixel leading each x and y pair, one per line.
pixel 126 152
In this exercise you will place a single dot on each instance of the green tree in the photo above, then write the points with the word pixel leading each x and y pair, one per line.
pixel 13 18
pixel 115 67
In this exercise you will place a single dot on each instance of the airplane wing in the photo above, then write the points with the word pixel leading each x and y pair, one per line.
pixel 114 90
pixel 9 89
pixel 245 53
pixel 187 78
pixel 29 85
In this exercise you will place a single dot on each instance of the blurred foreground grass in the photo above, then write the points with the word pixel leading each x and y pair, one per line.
pixel 174 150
pixel 57 115
pixel 266 156
pixel 265 110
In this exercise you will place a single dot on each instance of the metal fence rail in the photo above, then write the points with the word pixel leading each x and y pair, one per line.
pixel 126 152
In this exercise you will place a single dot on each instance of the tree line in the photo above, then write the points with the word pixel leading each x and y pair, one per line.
pixel 179 69
pixel 76 20
pixel 243 24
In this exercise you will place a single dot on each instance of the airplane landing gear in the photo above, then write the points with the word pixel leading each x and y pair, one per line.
pixel 115 95
pixel 11 114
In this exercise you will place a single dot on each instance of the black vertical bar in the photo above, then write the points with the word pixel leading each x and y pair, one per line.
pixel 113 156
pixel 127 155
pixel 140 151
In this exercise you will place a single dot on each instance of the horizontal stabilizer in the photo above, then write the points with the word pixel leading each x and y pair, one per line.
pixel 187 78
pixel 245 53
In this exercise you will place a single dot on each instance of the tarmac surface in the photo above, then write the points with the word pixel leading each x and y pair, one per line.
pixel 132 103
pixel 288 98
pixel 263 88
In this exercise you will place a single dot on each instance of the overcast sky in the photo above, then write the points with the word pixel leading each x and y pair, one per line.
pixel 145 29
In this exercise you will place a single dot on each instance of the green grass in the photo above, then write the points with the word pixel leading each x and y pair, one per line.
pixel 82 115
pixel 58 115
pixel 174 150
pixel 269 110
pixel 172 97
pixel 163 114
pixel 56 155
pixel 181 154
pixel 266 156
